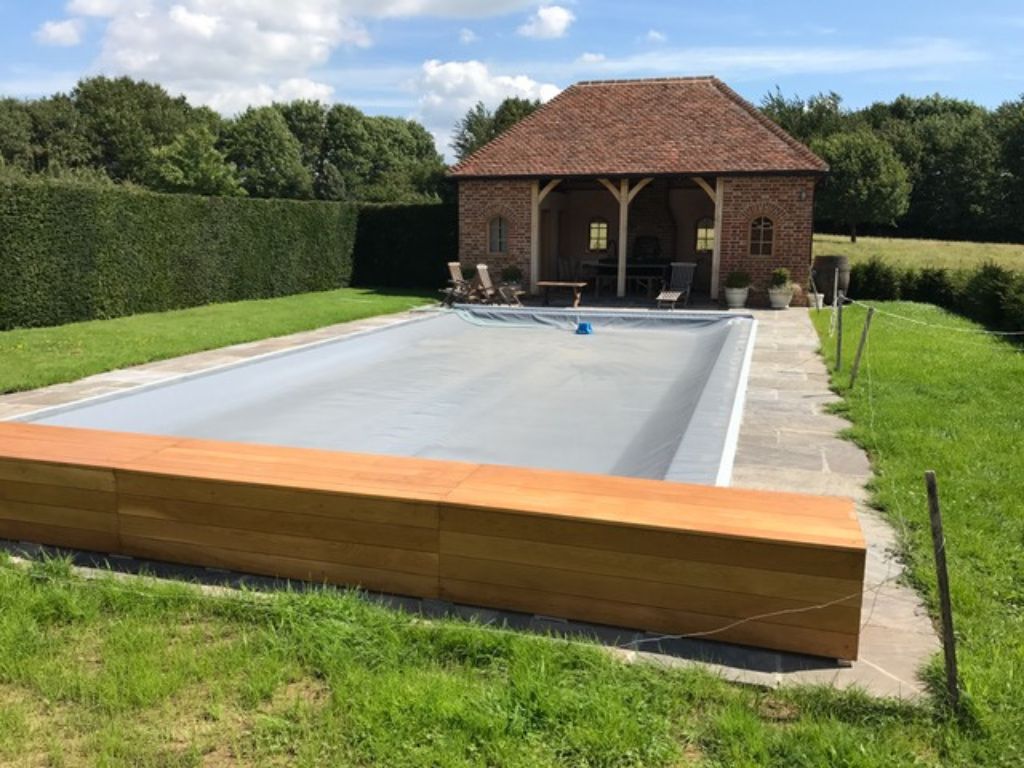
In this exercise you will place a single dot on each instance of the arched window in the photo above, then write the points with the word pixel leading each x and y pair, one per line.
pixel 762 235
pixel 597 235
pixel 497 235
pixel 705 235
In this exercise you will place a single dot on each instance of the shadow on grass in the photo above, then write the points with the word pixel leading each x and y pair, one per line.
pixel 652 645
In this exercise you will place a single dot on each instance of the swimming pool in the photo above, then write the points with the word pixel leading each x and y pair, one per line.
pixel 646 394
pixel 422 460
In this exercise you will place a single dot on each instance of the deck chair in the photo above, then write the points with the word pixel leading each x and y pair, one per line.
pixel 459 288
pixel 678 287
pixel 490 293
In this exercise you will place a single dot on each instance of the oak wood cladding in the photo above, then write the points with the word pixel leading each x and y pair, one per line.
pixel 646 554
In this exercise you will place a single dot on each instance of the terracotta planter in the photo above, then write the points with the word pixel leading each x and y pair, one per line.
pixel 736 298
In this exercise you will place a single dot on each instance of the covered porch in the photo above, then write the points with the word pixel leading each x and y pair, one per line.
pixel 619 234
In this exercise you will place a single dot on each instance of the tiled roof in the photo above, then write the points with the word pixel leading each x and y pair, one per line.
pixel 686 125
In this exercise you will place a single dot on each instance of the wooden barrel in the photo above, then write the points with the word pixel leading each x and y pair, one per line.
pixel 824 273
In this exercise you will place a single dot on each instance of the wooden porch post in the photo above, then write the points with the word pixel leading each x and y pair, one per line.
pixel 537 195
pixel 716 253
pixel 534 235
pixel 620 285
pixel 624 195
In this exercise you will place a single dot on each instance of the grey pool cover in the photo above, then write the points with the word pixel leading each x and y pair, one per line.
pixel 646 394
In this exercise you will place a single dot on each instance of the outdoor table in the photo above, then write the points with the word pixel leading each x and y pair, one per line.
pixel 575 287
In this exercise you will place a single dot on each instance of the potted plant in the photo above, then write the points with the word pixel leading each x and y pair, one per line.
pixel 737 286
pixel 780 289
pixel 512 276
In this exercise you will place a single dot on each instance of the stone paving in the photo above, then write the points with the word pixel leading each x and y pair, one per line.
pixel 787 442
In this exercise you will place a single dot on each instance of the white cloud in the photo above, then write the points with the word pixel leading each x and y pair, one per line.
pixel 199 24
pixel 467 36
pixel 103 7
pixel 591 58
pixel 448 89
pixel 261 94
pixel 927 55
pixel 63 33
pixel 654 36
pixel 232 53
pixel 549 22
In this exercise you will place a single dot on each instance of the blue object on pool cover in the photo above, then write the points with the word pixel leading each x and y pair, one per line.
pixel 650 394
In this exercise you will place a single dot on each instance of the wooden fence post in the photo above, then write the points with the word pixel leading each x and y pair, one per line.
pixel 945 604
pixel 839 331
pixel 860 347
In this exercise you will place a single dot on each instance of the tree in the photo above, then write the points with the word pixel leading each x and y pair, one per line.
pixel 808 120
pixel 867 184
pixel 511 111
pixel 58 138
pixel 307 120
pixel 15 134
pixel 192 163
pixel 474 130
pixel 480 125
pixel 268 157
pixel 124 120
pixel 380 159
pixel 1008 127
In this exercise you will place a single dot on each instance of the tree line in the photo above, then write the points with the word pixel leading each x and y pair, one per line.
pixel 925 167
pixel 127 131
pixel 928 167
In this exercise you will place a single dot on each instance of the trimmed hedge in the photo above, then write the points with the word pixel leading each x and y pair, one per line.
pixel 70 251
pixel 405 246
pixel 990 294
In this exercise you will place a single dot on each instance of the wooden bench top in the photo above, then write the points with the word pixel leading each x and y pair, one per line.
pixel 816 521
pixel 560 284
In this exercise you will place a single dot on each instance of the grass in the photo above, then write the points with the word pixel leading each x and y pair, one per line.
pixel 115 672
pixel 908 252
pixel 37 357
pixel 932 398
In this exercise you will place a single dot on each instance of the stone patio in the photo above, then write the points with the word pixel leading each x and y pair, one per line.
pixel 787 443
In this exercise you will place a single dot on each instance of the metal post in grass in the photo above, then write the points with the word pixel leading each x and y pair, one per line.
pixel 945 605
pixel 860 347
pixel 839 330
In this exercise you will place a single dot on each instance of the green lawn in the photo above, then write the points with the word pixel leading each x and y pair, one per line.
pixel 930 398
pixel 106 672
pixel 920 253
pixel 36 357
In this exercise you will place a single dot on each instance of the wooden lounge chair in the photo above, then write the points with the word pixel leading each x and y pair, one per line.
pixel 678 287
pixel 459 288
pixel 492 294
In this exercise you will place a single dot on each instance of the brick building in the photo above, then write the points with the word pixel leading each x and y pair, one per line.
pixel 615 177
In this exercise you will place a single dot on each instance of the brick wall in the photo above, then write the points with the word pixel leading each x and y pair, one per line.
pixel 779 198
pixel 479 202
pixel 745 199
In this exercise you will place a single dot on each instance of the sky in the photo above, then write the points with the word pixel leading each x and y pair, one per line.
pixel 431 60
